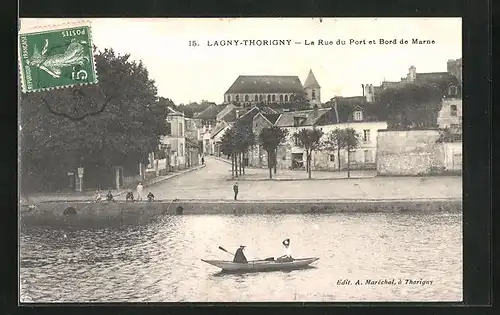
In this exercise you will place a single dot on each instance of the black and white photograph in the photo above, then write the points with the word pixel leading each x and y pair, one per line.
pixel 240 160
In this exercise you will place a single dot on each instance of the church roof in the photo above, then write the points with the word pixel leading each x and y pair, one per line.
pixel 311 81
pixel 266 84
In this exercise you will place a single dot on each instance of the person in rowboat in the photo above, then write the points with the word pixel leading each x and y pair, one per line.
pixel 288 252
pixel 239 256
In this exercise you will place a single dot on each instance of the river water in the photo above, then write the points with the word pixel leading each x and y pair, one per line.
pixel 161 262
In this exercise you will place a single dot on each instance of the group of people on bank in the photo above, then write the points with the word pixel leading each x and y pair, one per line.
pixel 239 256
pixel 128 197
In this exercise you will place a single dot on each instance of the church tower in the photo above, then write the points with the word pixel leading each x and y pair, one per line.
pixel 312 89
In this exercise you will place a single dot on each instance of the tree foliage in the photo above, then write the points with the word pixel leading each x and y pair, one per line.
pixel 270 138
pixel 62 129
pixel 310 140
pixel 339 139
pixel 411 106
pixel 236 141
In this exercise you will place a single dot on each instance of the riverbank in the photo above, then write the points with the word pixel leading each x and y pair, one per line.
pixel 118 214
pixel 90 195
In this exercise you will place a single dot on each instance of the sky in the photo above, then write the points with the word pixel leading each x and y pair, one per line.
pixel 189 74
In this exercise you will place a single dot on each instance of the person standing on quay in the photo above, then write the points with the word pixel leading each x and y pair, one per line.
pixel 139 191
pixel 235 189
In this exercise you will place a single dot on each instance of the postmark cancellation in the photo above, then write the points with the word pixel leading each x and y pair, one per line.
pixel 56 56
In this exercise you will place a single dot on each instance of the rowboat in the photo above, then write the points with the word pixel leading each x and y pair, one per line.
pixel 261 265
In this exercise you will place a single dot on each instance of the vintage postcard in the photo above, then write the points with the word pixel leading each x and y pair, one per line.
pixel 181 160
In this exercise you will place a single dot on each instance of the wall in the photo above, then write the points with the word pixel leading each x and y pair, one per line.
pixel 119 214
pixel 453 156
pixel 254 98
pixel 445 118
pixel 416 152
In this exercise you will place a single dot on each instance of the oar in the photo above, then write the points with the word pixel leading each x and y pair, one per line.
pixel 225 250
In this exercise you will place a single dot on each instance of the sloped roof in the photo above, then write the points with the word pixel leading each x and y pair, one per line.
pixel 225 111
pixel 272 117
pixel 220 126
pixel 266 84
pixel 311 81
pixel 249 114
pixel 209 113
pixel 287 119
pixel 314 115
pixel 174 112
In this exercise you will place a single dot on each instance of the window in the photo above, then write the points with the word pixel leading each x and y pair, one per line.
pixel 181 149
pixel 313 94
pixel 452 90
pixel 269 98
pixel 453 110
pixel 256 97
pixel 274 97
pixel 281 97
pixel 169 129
pixel 296 140
pixel 332 157
pixel 296 121
pixel 246 98
pixel 366 135
pixel 261 98
pixel 237 98
pixel 286 98
pixel 368 156
pixel 181 130
pixel 358 115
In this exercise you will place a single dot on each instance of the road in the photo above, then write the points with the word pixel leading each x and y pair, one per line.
pixel 214 182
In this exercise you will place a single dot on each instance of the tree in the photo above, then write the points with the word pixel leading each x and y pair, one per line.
pixel 243 140
pixel 339 139
pixel 116 122
pixel 333 142
pixel 411 106
pixel 310 140
pixel 270 138
pixel 228 148
pixel 298 101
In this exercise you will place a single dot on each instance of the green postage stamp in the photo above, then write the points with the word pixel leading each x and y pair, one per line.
pixel 56 57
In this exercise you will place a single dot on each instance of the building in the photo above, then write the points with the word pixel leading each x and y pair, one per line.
pixel 350 112
pixel 175 139
pixel 248 90
pixel 207 121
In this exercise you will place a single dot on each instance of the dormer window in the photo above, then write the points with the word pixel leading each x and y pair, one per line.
pixel 358 115
pixel 246 98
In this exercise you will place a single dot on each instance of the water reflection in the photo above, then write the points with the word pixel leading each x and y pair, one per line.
pixel 161 261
